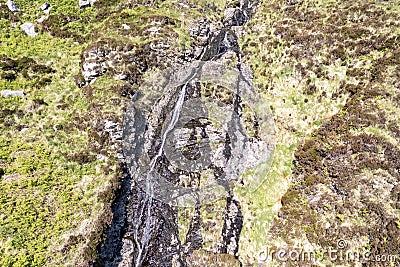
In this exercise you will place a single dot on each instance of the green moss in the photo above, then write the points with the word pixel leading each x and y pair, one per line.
pixel 44 196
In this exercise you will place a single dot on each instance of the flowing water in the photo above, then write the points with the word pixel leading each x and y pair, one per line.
pixel 142 243
pixel 144 230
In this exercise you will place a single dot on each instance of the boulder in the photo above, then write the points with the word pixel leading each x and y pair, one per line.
pixel 10 93
pixel 86 3
pixel 13 7
pixel 29 29
pixel 45 7
pixel 93 69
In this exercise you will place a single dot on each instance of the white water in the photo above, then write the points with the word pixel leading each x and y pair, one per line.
pixel 142 244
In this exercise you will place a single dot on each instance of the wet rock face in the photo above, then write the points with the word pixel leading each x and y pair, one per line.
pixel 233 223
pixel 173 140
pixel 160 228
pixel 174 145
pixel 152 228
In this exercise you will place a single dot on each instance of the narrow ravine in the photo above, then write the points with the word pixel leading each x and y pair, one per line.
pixel 144 231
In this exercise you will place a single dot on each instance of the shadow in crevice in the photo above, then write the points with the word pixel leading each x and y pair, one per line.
pixel 109 251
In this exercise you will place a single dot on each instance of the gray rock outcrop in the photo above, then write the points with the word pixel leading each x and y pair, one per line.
pixel 29 29
pixel 45 7
pixel 11 93
pixel 86 3
pixel 13 7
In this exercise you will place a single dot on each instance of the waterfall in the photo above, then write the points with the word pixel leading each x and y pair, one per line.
pixel 142 243
pixel 150 235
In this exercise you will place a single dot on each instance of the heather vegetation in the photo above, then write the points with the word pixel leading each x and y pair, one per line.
pixel 330 71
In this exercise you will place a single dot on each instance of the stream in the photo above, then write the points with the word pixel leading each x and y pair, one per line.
pixel 172 139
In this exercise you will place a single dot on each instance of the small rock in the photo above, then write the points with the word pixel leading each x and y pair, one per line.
pixel 9 93
pixel 12 6
pixel 110 125
pixel 113 129
pixel 314 201
pixel 121 76
pixel 41 19
pixel 229 12
pixel 101 157
pixel 93 69
pixel 126 26
pixel 29 29
pixel 291 2
pixel 79 81
pixel 45 7
pixel 24 130
pixel 86 3
pixel 326 225
pixel 11 177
